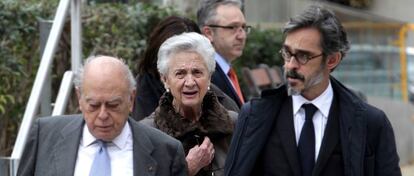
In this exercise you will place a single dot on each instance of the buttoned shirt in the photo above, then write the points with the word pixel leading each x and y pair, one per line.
pixel 120 152
pixel 320 118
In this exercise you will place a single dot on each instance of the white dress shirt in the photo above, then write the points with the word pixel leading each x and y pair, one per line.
pixel 320 118
pixel 119 150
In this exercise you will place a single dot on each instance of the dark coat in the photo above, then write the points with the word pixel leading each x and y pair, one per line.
pixel 52 149
pixel 220 79
pixel 216 123
pixel 149 90
pixel 366 135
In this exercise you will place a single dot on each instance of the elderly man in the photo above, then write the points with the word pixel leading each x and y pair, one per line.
pixel 313 125
pixel 223 23
pixel 103 140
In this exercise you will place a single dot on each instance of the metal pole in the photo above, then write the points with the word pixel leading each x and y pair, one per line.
pixel 46 101
pixel 403 60
pixel 76 34
pixel 64 94
pixel 39 82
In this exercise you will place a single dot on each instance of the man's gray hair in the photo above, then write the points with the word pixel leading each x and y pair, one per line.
pixel 333 35
pixel 207 11
pixel 78 79
pixel 186 42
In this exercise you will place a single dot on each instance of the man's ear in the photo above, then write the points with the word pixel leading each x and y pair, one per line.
pixel 208 32
pixel 333 60
pixel 133 94
pixel 79 96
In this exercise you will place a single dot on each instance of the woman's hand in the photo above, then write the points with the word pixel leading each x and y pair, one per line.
pixel 200 156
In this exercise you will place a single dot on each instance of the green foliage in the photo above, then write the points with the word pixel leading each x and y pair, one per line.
pixel 18 63
pixel 118 29
pixel 108 28
pixel 262 46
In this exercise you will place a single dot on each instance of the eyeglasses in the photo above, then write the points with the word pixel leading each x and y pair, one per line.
pixel 234 29
pixel 301 57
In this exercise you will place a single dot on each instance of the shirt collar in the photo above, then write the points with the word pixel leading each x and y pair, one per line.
pixel 120 141
pixel 87 138
pixel 322 102
pixel 223 63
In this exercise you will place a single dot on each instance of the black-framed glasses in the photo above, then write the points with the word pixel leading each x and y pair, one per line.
pixel 301 57
pixel 234 29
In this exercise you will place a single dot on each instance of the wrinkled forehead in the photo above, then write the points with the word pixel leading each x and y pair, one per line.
pixel 92 98
pixel 186 60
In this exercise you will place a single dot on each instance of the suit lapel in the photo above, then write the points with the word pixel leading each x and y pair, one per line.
pixel 66 147
pixel 144 163
pixel 286 130
pixel 220 80
pixel 330 139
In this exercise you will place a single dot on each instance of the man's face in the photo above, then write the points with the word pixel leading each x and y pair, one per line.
pixel 228 43
pixel 105 99
pixel 309 79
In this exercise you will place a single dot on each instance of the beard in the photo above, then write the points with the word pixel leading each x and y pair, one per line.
pixel 295 75
pixel 308 83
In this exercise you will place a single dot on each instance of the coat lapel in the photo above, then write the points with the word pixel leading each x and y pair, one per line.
pixel 144 163
pixel 287 135
pixel 66 147
pixel 253 127
pixel 353 129
pixel 330 139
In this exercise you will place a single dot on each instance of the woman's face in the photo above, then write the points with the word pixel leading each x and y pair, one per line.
pixel 188 79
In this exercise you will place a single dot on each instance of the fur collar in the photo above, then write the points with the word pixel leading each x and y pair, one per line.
pixel 214 119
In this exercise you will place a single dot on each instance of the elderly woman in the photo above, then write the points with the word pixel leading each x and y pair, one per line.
pixel 188 110
pixel 149 85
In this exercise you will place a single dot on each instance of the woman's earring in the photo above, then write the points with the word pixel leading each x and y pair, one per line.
pixel 168 89
pixel 208 88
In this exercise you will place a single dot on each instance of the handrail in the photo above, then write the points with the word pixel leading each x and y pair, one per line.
pixel 44 71
pixel 64 94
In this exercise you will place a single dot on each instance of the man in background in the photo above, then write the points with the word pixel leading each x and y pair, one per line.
pixel 223 23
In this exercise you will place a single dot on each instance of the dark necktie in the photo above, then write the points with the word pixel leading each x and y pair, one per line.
pixel 101 165
pixel 306 146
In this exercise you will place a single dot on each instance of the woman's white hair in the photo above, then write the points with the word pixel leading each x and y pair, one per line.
pixel 186 42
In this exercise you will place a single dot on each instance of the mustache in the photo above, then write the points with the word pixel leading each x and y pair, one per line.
pixel 294 74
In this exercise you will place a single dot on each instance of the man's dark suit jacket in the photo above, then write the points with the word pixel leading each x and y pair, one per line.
pixel 53 145
pixel 366 136
pixel 220 79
